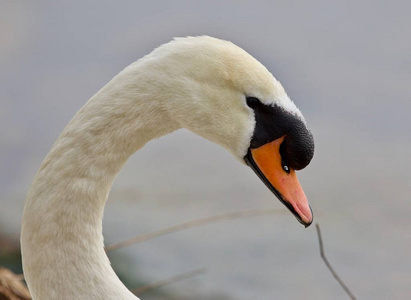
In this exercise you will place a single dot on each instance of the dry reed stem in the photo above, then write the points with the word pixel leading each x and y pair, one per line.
pixel 195 223
pixel 167 281
pixel 320 240
pixel 11 286
pixel 200 222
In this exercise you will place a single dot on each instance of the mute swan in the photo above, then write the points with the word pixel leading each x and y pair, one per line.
pixel 209 86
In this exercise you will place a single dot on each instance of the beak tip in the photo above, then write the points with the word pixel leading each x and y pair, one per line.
pixel 304 214
pixel 306 221
pixel 310 221
pixel 308 224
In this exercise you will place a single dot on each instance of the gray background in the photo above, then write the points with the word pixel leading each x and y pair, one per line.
pixel 346 65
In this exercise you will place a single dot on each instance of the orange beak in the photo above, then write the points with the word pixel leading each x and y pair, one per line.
pixel 267 163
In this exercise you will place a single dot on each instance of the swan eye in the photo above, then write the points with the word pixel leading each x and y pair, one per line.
pixel 253 102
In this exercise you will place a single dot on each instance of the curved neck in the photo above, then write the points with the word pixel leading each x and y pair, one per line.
pixel 62 242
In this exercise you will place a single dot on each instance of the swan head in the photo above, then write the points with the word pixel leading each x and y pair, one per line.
pixel 219 91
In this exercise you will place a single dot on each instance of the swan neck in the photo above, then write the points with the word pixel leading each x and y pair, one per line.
pixel 62 243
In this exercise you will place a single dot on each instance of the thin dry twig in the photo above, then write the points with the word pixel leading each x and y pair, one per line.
pixel 173 279
pixel 195 223
pixel 320 240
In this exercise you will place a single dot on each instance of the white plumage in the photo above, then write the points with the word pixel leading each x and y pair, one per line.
pixel 199 83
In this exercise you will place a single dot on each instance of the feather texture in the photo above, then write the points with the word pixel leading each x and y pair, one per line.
pixel 199 83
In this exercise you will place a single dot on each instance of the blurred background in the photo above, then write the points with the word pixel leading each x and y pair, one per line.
pixel 347 65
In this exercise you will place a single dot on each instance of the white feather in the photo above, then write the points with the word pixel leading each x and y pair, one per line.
pixel 199 83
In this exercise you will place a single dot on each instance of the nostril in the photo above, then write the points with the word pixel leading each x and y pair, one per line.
pixel 285 167
pixel 284 162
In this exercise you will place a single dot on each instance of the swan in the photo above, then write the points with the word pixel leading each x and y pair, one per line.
pixel 207 85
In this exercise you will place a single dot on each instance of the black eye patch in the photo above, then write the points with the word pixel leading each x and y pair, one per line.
pixel 273 122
